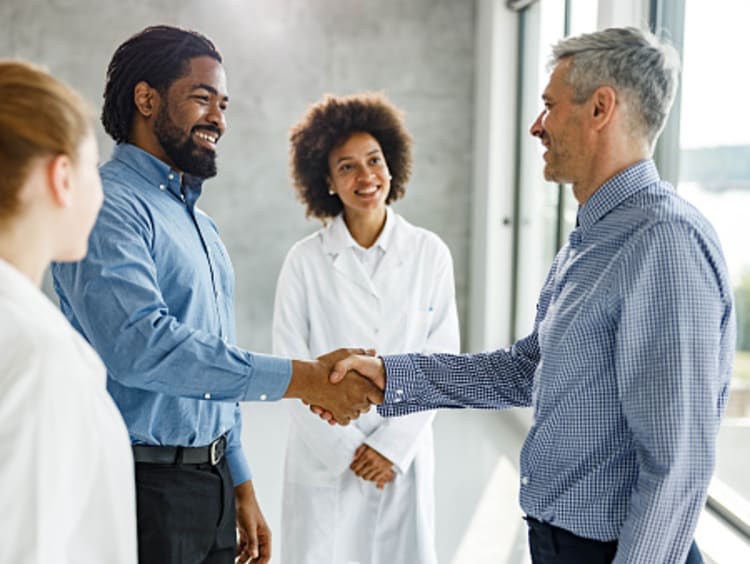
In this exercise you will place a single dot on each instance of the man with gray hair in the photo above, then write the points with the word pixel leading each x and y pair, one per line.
pixel 629 360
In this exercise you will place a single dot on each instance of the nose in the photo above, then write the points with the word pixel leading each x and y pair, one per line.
pixel 365 173
pixel 536 128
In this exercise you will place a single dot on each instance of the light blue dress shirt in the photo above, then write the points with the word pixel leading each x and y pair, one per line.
pixel 627 368
pixel 154 297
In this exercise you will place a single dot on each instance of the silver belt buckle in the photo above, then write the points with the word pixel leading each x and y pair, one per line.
pixel 216 452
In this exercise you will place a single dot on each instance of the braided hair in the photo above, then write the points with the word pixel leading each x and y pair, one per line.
pixel 158 55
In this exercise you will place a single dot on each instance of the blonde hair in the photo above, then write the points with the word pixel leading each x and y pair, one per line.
pixel 39 116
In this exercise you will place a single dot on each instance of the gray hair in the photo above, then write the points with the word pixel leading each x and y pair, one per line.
pixel 641 68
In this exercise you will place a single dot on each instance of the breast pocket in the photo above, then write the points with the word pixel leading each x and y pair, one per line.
pixel 223 269
pixel 411 331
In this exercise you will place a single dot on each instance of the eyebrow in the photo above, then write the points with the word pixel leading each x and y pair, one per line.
pixel 346 157
pixel 211 89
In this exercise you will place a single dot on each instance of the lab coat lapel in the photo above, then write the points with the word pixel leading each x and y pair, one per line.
pixel 391 265
pixel 337 244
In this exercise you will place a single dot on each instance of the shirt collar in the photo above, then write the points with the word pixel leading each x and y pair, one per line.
pixel 158 173
pixel 337 236
pixel 616 190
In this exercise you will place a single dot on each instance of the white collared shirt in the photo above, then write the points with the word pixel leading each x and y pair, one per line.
pixel 68 492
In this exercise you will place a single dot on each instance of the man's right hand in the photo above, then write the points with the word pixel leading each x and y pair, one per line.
pixel 343 401
pixel 346 361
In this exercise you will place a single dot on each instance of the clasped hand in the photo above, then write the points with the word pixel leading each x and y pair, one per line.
pixel 372 466
pixel 344 395
pixel 351 371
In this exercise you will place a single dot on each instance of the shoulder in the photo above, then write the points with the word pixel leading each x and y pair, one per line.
pixel 27 343
pixel 125 191
pixel 665 218
pixel 418 238
pixel 309 248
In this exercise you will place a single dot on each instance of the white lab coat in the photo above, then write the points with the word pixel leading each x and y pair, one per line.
pixel 66 468
pixel 325 299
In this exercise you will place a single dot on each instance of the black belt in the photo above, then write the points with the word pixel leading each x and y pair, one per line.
pixel 209 454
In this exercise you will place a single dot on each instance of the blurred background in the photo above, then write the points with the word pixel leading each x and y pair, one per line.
pixel 468 75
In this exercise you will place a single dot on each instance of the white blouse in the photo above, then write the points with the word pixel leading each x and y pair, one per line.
pixel 66 467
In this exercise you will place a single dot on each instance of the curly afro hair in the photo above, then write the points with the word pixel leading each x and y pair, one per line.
pixel 329 123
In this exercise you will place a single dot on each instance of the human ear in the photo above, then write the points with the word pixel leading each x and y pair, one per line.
pixel 604 100
pixel 145 98
pixel 60 180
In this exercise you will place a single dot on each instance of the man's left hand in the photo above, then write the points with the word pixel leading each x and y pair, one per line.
pixel 255 536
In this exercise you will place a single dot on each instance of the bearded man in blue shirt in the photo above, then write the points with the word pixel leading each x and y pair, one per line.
pixel 629 361
pixel 154 297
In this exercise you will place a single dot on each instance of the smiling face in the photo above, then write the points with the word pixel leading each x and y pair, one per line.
pixel 560 128
pixel 191 118
pixel 358 174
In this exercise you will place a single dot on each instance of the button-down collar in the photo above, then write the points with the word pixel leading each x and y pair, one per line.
pixel 616 190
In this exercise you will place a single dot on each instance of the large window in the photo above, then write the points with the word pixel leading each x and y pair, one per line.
pixel 715 176
pixel 546 211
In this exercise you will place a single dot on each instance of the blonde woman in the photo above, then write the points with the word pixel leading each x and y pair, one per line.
pixel 66 469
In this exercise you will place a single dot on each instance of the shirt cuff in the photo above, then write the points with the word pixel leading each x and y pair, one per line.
pixel 402 379
pixel 238 466
pixel 270 377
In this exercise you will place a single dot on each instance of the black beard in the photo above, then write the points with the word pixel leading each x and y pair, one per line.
pixel 186 155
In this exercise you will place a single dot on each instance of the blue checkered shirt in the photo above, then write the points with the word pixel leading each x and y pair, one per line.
pixel 627 368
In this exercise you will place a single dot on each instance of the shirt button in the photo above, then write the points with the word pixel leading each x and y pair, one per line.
pixel 399 392
pixel 171 176
pixel 525 480
pixel 263 397
pixel 162 187
pixel 225 339
pixel 206 396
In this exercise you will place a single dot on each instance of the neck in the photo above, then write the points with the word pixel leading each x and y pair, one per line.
pixel 27 253
pixel 365 227
pixel 609 163
pixel 143 137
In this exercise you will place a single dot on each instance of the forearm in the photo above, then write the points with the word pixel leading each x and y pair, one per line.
pixel 236 459
pixel 493 380
pixel 399 439
pixel 208 368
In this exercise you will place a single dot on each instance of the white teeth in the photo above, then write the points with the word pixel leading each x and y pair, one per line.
pixel 206 136
pixel 367 192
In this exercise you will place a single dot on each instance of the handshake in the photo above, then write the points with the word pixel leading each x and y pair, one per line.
pixel 339 386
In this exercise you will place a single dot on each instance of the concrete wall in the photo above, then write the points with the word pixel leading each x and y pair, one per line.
pixel 280 55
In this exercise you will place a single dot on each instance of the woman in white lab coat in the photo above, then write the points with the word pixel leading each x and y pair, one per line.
pixel 361 493
pixel 66 468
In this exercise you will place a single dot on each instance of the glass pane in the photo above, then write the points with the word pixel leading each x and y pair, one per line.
pixel 540 224
pixel 715 177
pixel 545 24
